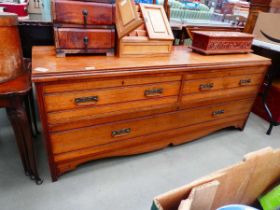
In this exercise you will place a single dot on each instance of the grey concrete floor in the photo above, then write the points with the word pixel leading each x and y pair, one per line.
pixel 125 183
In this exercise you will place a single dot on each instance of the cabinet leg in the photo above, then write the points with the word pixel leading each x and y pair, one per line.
pixel 13 117
pixel 22 129
pixel 33 113
pixel 269 129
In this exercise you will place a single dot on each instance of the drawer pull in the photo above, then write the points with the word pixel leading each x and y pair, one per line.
pixel 218 112
pixel 121 132
pixel 245 81
pixel 86 99
pixel 153 92
pixel 86 42
pixel 207 86
pixel 85 14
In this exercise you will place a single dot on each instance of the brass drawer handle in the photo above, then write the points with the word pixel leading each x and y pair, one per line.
pixel 206 86
pixel 218 112
pixel 245 81
pixel 86 99
pixel 121 132
pixel 85 14
pixel 153 92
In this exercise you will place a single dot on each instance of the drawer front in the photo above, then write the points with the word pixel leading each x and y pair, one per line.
pixel 107 133
pixel 73 38
pixel 84 13
pixel 95 113
pixel 210 84
pixel 151 142
pixel 98 97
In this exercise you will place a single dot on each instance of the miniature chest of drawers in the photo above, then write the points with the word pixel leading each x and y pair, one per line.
pixel 83 26
pixel 96 106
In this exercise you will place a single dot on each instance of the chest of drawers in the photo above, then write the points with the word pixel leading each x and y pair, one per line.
pixel 97 107
pixel 83 26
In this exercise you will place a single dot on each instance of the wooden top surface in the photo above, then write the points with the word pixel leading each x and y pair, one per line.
pixel 47 67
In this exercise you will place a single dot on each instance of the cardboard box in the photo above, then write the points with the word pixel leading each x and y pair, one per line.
pixel 241 183
pixel 267 28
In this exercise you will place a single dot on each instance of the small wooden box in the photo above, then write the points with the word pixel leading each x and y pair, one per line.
pixel 139 38
pixel 83 26
pixel 221 42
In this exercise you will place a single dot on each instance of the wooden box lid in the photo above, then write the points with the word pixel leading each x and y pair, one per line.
pixel 224 34
pixel 153 16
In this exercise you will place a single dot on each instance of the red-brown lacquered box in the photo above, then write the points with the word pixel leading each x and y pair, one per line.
pixel 221 42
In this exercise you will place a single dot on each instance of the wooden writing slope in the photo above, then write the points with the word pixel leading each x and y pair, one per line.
pixel 143 30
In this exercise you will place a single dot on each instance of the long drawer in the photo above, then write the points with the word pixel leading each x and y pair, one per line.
pixel 98 97
pixel 149 142
pixel 83 13
pixel 113 132
pixel 75 38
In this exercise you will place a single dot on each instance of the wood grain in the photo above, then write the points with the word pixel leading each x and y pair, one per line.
pixel 94 107
pixel 71 12
pixel 200 85
pixel 103 83
pixel 70 160
pixel 66 100
pixel 98 135
pixel 69 38
pixel 180 60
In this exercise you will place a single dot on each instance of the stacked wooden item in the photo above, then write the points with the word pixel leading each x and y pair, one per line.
pixel 83 26
pixel 143 30
pixel 241 183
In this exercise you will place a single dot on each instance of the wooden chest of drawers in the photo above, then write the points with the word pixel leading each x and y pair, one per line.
pixel 83 26
pixel 97 107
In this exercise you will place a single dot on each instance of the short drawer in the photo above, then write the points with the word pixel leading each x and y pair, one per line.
pixel 104 96
pixel 219 83
pixel 113 132
pixel 74 38
pixel 83 13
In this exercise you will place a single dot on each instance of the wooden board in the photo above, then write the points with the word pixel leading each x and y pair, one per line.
pixel 156 22
pixel 203 196
pixel 267 171
pixel 127 18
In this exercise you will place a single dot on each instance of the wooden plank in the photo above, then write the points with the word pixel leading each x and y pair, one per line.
pixel 156 22
pixel 127 18
pixel 267 171
pixel 203 196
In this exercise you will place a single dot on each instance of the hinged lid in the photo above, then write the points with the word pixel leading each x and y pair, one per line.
pixel 127 18
pixel 155 20
pixel 8 19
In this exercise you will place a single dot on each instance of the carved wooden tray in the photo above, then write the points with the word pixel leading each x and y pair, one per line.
pixel 221 42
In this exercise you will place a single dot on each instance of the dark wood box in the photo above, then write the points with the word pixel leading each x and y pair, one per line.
pixel 84 26
pixel 221 42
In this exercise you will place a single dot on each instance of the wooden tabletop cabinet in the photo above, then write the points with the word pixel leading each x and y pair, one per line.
pixel 94 107
pixel 83 26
